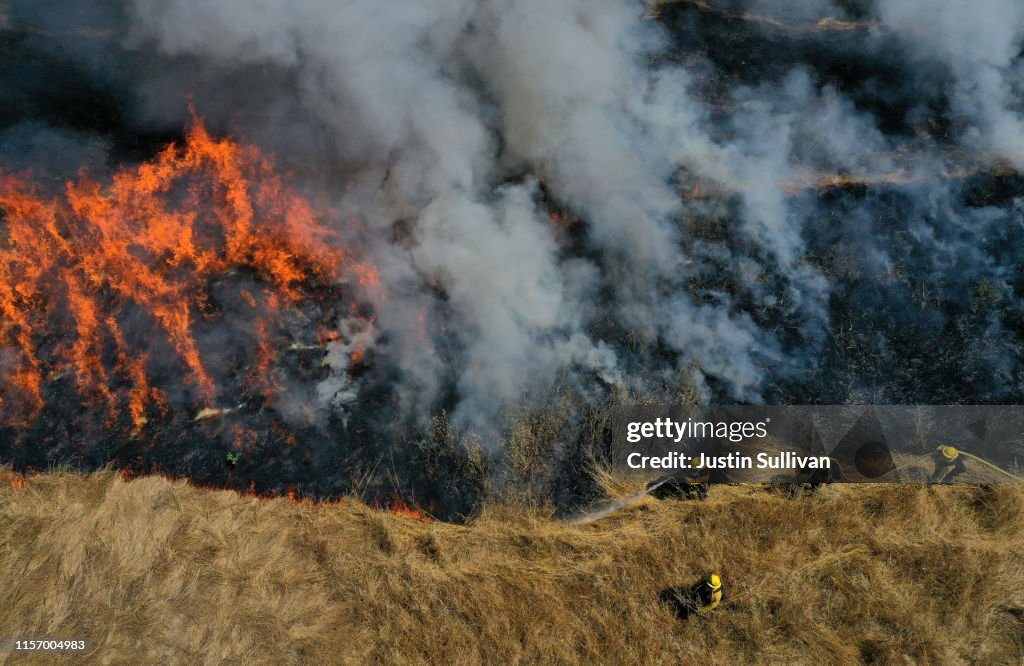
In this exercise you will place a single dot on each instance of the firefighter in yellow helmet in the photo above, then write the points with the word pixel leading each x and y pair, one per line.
pixel 708 593
pixel 688 484
pixel 704 595
pixel 948 464
pixel 698 482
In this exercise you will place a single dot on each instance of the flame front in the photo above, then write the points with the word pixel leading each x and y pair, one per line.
pixel 92 281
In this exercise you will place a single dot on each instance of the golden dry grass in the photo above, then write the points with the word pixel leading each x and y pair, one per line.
pixel 160 572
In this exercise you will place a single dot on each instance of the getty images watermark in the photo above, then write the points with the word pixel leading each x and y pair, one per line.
pixel 838 443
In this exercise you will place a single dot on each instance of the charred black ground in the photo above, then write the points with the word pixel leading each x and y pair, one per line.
pixel 942 322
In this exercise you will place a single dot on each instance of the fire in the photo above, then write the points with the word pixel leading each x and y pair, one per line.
pixel 398 506
pixel 18 481
pixel 99 281
pixel 563 217
pixel 402 508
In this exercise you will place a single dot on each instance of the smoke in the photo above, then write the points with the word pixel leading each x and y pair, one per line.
pixel 448 115
pixel 565 191
pixel 979 43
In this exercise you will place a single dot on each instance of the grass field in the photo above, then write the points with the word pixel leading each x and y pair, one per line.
pixel 160 572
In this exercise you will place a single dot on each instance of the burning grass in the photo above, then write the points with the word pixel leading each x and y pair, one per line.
pixel 155 571
pixel 130 269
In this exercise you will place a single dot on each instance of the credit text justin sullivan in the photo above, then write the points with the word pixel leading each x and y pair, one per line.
pixel 675 460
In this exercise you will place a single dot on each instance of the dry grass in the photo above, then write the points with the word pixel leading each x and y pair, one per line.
pixel 159 572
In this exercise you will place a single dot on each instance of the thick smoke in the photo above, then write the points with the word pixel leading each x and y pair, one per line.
pixel 450 115
pixel 787 201
pixel 979 43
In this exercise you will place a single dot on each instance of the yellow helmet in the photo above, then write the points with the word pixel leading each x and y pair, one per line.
pixel 714 582
pixel 948 452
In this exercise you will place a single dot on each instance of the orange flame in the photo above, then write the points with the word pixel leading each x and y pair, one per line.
pixel 398 506
pixel 144 249
pixel 406 510
pixel 563 218
pixel 18 481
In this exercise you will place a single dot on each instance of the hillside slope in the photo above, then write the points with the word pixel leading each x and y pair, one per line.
pixel 155 571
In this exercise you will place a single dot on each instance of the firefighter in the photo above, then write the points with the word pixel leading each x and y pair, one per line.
pixel 708 593
pixel 697 483
pixel 948 464
pixel 704 595
pixel 691 484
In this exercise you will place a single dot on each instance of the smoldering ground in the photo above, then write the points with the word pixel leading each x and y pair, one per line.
pixel 757 204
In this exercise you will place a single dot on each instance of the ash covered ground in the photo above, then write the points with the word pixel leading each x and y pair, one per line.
pixel 568 204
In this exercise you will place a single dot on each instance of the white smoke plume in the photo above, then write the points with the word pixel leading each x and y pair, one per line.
pixel 980 43
pixel 440 110
pixel 445 134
